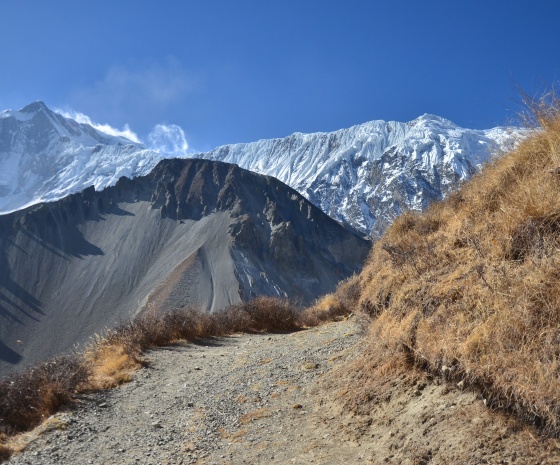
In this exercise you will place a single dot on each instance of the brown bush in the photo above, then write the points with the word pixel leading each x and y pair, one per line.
pixel 30 397
pixel 267 314
pixel 334 306
pixel 5 453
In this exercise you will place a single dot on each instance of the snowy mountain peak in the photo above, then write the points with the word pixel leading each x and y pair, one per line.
pixel 429 120
pixel 366 175
pixel 45 156
pixel 35 107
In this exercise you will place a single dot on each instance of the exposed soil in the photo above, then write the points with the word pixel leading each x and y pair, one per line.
pixel 279 399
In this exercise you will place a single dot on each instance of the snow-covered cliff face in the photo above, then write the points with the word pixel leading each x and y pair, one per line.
pixel 45 157
pixel 365 176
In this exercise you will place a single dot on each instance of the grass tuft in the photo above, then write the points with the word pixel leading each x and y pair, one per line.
pixel 334 307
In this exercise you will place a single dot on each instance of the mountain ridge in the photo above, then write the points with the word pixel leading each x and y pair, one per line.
pixel 363 176
pixel 352 173
pixel 192 232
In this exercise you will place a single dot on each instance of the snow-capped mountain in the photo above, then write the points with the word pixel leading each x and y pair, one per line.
pixel 363 176
pixel 45 156
pixel 366 175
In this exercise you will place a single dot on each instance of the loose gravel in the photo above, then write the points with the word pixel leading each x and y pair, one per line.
pixel 279 399
pixel 223 400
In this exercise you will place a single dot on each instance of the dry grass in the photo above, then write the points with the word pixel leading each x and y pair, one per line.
pixel 255 415
pixel 336 306
pixel 111 366
pixel 30 397
pixel 471 288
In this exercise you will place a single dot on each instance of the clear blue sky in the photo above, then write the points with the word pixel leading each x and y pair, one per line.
pixel 238 71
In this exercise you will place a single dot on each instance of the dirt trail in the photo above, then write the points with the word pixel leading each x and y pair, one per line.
pixel 278 399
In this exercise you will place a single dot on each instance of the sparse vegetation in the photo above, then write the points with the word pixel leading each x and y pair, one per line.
pixel 30 397
pixel 333 307
pixel 471 288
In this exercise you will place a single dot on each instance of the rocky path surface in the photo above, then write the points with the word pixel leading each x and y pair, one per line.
pixel 271 399
pixel 238 399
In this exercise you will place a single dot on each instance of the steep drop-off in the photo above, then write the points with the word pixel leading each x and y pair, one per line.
pixel 191 232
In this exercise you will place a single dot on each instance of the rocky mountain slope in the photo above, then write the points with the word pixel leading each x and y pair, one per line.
pixel 44 157
pixel 366 175
pixel 191 232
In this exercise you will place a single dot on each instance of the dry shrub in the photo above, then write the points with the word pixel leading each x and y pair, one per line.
pixel 152 329
pixel 30 397
pixel 333 307
pixel 5 453
pixel 234 319
pixel 471 287
pixel 266 314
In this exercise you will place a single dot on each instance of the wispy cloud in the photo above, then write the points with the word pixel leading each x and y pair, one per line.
pixel 136 92
pixel 168 140
pixel 105 128
pixel 154 82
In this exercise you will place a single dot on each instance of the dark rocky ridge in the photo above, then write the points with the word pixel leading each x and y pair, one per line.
pixel 191 232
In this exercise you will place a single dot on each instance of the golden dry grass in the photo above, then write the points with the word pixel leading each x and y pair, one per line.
pixel 335 306
pixel 111 366
pixel 471 288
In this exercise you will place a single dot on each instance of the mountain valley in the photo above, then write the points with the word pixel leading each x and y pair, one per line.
pixel 384 384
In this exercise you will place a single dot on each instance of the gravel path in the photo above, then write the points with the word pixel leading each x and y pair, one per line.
pixel 278 399
pixel 241 399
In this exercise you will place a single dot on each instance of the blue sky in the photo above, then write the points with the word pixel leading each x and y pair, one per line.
pixel 238 71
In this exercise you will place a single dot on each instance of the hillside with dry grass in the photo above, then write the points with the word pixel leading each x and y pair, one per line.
pixel 471 289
